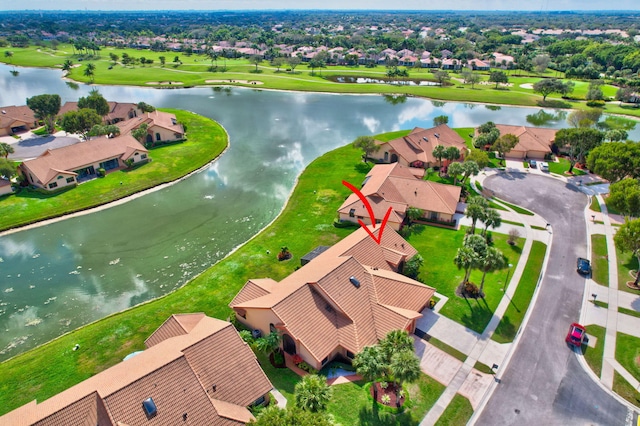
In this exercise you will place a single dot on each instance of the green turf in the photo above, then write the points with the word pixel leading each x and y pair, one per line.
pixel 457 413
pixel 599 259
pixel 626 262
pixel 628 353
pixel 625 390
pixel 517 209
pixel 561 167
pixel 514 315
pixel 206 140
pixel 593 356
pixel 630 312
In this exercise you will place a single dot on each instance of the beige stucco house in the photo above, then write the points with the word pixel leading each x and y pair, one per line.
pixel 66 166
pixel 416 149
pixel 161 127
pixel 5 187
pixel 394 186
pixel 15 119
pixel 533 142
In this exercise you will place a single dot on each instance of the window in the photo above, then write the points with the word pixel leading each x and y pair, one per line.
pixel 174 121
pixel 158 137
pixel 149 406
pixel 53 185
pixel 143 156
pixel 60 177
pixel 324 361
pixel 70 179
pixel 350 355
pixel 352 212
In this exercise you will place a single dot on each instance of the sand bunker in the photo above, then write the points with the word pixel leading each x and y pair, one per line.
pixel 235 81
pixel 164 83
pixel 527 86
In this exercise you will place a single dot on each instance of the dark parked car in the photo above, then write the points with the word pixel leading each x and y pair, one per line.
pixel 533 164
pixel 584 266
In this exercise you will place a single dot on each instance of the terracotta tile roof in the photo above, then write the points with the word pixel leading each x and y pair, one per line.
pixel 322 307
pixel 253 289
pixel 116 109
pixel 530 138
pixel 175 325
pixel 177 373
pixel 73 157
pixel 13 116
pixel 392 185
pixel 232 411
pixel 160 119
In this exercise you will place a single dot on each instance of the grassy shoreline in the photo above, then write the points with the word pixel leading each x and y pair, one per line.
pixel 196 70
pixel 206 142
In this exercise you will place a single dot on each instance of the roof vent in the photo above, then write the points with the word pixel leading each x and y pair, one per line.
pixel 149 407
pixel 4 112
pixel 437 135
pixel 354 281
pixel 425 139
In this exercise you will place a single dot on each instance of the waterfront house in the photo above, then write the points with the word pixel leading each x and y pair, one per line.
pixel 533 142
pixel 118 111
pixel 14 119
pixel 161 127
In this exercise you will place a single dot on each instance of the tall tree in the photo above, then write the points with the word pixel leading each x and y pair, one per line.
pixel 505 143
pixel 480 157
pixel 547 86
pixel 140 132
pixel 293 62
pixel 498 77
pixel 493 260
pixel 395 341
pixel 627 239
pixel 46 108
pixel 470 168
pixel 7 168
pixel 615 160
pixel 67 66
pixel 80 121
pixel 624 196
pixel 312 393
pixel 96 102
pixel 454 170
pixel 491 219
pixel 405 367
pixel 90 71
pixel 6 149
pixel 370 363
pixel 452 153
pixel 367 144
pixel 439 153
pixel 465 259
pixel 476 207
pixel 578 143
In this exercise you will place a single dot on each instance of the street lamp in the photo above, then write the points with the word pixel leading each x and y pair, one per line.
pixel 506 281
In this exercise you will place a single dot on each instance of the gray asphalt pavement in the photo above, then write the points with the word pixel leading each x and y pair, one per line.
pixel 544 383
pixel 36 145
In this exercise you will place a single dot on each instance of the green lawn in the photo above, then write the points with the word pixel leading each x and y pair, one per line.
pixel 595 205
pixel 517 209
pixel 513 316
pixel 561 167
pixel 629 312
pixel 628 353
pixel 593 356
pixel 626 262
pixel 599 260
pixel 438 247
pixel 457 413
pixel 625 390
pixel 352 404
pixel 197 70
pixel 206 140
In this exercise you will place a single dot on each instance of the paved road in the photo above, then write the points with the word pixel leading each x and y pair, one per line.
pixel 544 383
pixel 36 145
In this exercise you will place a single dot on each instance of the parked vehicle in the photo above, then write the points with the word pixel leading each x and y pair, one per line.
pixel 576 335
pixel 533 164
pixel 584 266
pixel 543 166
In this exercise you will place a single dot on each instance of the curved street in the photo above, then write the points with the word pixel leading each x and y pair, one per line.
pixel 544 383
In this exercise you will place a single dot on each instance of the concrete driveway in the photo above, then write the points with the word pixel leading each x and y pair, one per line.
pixel 544 383
pixel 31 146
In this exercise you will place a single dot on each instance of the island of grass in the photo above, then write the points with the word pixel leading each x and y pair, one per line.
pixel 206 140
pixel 305 223
pixel 197 70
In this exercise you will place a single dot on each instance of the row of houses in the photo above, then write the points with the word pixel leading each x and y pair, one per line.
pixel 67 166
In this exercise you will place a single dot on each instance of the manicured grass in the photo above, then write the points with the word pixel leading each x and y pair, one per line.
pixel 629 312
pixel 448 349
pixel 562 166
pixel 196 70
pixel 593 356
pixel 438 247
pixel 628 353
pixel 389 136
pixel 599 260
pixel 625 390
pixel 352 404
pixel 517 209
pixel 512 223
pixel 600 304
pixel 483 368
pixel 513 316
pixel 457 413
pixel 595 205
pixel 466 133
pixel 626 262
pixel 283 379
pixel 206 140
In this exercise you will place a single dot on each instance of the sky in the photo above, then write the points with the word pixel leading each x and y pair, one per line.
pixel 533 5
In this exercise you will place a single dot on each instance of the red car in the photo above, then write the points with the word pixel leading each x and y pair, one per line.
pixel 576 335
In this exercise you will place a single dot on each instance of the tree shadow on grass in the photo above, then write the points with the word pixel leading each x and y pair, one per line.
pixel 506 329
pixel 549 103
pixel 373 416
pixel 478 316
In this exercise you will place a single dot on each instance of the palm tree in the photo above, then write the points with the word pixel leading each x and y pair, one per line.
pixel 438 152
pixel 493 260
pixel 475 210
pixel 268 344
pixel 405 367
pixel 89 71
pixel 312 393
pixel 369 364
pixel 8 54
pixel 6 149
pixel 67 65
pixel 491 218
pixel 395 341
pixel 465 259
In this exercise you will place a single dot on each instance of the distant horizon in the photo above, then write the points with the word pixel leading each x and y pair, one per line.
pixel 322 5
pixel 331 10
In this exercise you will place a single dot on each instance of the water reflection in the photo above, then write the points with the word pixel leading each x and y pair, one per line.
pixel 55 278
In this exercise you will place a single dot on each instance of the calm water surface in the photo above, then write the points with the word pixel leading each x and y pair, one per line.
pixel 56 278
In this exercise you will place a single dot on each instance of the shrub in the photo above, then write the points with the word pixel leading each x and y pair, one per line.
pixel 596 103
pixel 386 399
pixel 297 359
pixel 384 385
pixel 278 358
pixel 306 367
pixel 102 172
pixel 514 234
pixel 471 289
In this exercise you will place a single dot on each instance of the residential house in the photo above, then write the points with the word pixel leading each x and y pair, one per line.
pixel 15 119
pixel 161 127
pixel 416 149
pixel 66 166
pixel 533 142
pixel 451 64
pixel 346 298
pixel 504 60
pixel 194 370
pixel 117 111
pixel 478 65
pixel 394 186
pixel 430 62
pixel 5 187
pixel 446 53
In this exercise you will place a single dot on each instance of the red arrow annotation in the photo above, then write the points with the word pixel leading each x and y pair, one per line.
pixel 370 211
